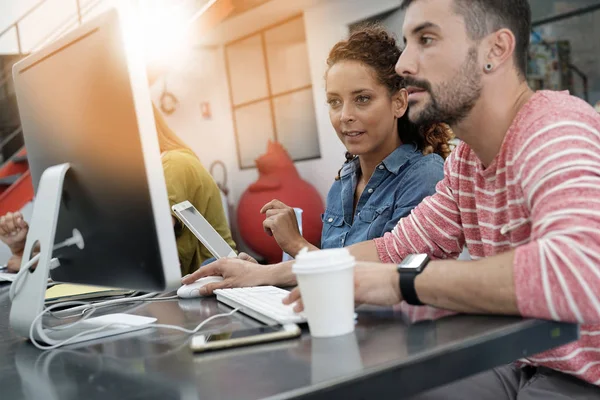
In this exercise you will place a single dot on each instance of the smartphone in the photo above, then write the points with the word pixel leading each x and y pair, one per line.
pixel 245 337
pixel 203 230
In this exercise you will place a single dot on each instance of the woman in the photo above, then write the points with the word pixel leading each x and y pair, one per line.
pixel 186 179
pixel 391 164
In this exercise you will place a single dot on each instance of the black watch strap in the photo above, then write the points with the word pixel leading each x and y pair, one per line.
pixel 408 270
pixel 407 287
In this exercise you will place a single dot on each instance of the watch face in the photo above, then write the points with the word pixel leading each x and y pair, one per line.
pixel 414 261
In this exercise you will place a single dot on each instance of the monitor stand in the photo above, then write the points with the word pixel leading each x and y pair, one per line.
pixel 30 296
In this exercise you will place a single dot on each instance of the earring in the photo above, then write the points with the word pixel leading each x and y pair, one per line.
pixel 488 67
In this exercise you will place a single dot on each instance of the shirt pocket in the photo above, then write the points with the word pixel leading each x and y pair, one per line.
pixel 334 230
pixel 374 220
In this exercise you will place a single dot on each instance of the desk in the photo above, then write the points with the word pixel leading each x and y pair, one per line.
pixel 386 357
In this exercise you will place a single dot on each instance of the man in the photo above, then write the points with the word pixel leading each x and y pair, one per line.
pixel 522 192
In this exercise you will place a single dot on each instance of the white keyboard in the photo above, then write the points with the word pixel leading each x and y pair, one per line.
pixel 262 303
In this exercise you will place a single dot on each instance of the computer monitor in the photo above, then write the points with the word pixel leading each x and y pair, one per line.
pixel 94 158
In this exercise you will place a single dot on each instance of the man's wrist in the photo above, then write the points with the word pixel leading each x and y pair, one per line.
pixel 424 283
pixel 279 274
pixel 394 281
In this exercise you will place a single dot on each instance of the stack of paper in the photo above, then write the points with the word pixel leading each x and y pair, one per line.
pixel 71 292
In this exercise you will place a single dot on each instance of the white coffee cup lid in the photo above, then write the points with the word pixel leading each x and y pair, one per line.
pixel 311 262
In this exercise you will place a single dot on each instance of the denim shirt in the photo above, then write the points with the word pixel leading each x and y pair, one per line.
pixel 399 184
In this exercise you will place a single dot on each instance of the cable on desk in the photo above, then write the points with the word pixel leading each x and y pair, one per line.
pixel 37 325
pixel 86 306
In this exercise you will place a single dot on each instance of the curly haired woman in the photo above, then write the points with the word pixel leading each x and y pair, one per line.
pixel 391 164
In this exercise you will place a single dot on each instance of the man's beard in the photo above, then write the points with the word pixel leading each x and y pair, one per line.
pixel 453 100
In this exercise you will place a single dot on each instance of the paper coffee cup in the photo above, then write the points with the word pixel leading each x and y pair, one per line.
pixel 326 281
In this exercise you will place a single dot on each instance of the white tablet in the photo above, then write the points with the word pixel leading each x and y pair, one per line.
pixel 191 217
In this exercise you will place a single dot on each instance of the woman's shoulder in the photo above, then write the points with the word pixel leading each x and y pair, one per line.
pixel 179 156
pixel 431 161
pixel 182 161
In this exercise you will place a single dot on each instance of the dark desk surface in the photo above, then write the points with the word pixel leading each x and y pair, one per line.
pixel 386 357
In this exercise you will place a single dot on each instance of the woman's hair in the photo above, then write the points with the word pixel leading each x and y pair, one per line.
pixel 373 46
pixel 167 139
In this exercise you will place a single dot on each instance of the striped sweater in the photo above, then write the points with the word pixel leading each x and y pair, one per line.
pixel 541 197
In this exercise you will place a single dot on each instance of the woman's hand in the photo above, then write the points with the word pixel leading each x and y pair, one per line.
pixel 14 263
pixel 13 231
pixel 281 223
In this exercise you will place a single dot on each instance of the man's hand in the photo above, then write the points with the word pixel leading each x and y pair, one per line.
pixel 373 284
pixel 236 272
pixel 281 223
pixel 13 231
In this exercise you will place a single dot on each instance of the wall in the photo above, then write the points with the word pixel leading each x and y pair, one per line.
pixel 203 78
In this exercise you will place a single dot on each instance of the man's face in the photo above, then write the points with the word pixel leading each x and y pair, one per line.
pixel 440 63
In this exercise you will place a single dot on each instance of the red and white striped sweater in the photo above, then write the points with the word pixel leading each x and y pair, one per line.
pixel 540 195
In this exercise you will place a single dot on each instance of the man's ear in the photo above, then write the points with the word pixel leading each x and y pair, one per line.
pixel 500 50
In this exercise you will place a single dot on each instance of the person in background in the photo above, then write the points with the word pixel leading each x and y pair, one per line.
pixel 13 232
pixel 391 164
pixel 186 179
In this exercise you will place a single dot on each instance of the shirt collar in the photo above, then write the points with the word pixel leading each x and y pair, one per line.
pixel 400 156
pixel 392 163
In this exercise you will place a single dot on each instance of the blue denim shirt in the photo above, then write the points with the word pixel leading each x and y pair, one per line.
pixel 397 186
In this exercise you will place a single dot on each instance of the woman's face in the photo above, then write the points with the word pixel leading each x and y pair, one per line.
pixel 362 112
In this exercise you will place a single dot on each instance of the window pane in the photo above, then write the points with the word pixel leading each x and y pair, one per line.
pixel 541 9
pixel 248 76
pixel 296 124
pixel 9 43
pixel 570 46
pixel 287 55
pixel 254 128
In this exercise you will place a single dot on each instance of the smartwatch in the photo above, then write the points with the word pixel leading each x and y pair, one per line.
pixel 408 270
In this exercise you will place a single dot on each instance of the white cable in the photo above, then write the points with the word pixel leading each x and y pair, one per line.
pixel 197 328
pixel 93 306
pixel 13 287
pixel 76 239
pixel 37 325
pixel 107 303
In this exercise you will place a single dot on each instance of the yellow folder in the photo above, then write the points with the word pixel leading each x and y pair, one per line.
pixel 72 292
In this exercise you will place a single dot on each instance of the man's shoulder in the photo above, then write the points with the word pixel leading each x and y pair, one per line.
pixel 549 115
pixel 548 110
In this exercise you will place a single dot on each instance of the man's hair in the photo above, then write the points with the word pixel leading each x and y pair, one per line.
pixel 483 17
